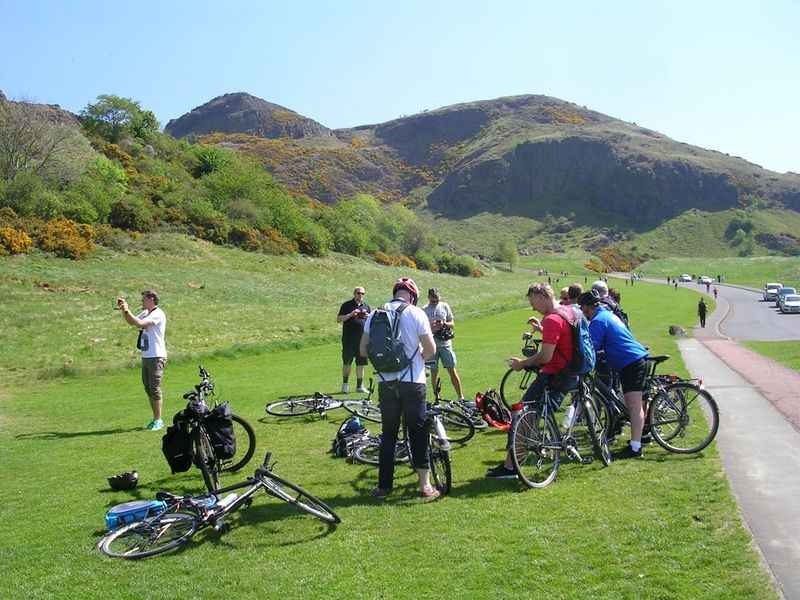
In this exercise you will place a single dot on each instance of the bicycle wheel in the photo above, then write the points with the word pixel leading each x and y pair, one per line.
pixel 535 449
pixel 293 494
pixel 458 426
pixel 441 473
pixel 597 433
pixel 513 386
pixel 683 418
pixel 205 460
pixel 364 409
pixel 291 407
pixel 149 537
pixel 473 414
pixel 370 453
pixel 245 445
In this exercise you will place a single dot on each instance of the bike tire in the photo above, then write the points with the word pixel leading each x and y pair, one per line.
pixel 458 426
pixel 597 433
pixel 441 470
pixel 149 537
pixel 289 492
pixel 242 429
pixel 535 449
pixel 291 407
pixel 684 418
pixel 364 410
pixel 473 415
pixel 205 460
pixel 370 453
pixel 513 386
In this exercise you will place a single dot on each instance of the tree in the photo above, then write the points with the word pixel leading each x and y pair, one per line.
pixel 112 117
pixel 29 142
pixel 507 252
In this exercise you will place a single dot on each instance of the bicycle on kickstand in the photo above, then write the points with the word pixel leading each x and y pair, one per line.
pixel 185 515
pixel 537 441
pixel 368 451
pixel 196 415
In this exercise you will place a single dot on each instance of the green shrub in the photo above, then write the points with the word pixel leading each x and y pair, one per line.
pixel 132 213
pixel 426 261
pixel 313 239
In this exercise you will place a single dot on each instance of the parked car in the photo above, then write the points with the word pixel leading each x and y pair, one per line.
pixel 685 277
pixel 704 279
pixel 791 304
pixel 784 291
pixel 771 291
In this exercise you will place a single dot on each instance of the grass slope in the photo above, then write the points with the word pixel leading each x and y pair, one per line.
pixel 664 527
pixel 786 353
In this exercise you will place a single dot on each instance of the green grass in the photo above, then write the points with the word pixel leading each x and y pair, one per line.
pixel 752 271
pixel 57 315
pixel 665 527
pixel 786 353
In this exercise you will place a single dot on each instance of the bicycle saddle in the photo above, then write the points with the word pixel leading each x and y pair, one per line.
pixel 658 359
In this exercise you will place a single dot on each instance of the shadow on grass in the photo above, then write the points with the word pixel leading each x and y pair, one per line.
pixel 59 435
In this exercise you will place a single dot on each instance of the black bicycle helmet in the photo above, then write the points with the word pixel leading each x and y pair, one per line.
pixel 124 481
pixel 590 298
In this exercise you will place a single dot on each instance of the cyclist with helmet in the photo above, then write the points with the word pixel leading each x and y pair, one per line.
pixel 624 355
pixel 403 392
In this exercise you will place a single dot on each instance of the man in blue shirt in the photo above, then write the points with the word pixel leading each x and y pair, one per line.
pixel 624 355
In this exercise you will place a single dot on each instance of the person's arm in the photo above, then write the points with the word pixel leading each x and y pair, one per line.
pixel 449 321
pixel 542 357
pixel 345 316
pixel 131 319
pixel 428 346
pixel 362 345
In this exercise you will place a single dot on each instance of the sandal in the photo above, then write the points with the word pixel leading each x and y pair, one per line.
pixel 430 493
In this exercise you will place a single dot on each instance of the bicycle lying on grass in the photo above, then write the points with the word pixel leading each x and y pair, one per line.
pixel 210 452
pixel 681 416
pixel 185 515
pixel 368 449
pixel 321 403
pixel 537 441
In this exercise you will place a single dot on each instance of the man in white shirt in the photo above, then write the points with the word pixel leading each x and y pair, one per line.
pixel 403 392
pixel 152 325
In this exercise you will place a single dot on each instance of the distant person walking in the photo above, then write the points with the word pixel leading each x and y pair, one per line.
pixel 701 312
pixel 716 292
pixel 352 315
pixel 152 325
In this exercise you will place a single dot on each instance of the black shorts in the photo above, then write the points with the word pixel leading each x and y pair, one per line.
pixel 633 376
pixel 350 351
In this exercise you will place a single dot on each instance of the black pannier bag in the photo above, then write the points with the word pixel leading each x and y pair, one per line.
pixel 176 444
pixel 219 426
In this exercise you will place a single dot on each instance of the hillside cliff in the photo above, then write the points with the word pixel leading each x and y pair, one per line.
pixel 522 155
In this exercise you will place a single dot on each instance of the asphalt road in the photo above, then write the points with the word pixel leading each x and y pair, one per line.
pixel 742 315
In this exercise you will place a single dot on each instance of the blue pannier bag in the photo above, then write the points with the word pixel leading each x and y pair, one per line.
pixel 130 512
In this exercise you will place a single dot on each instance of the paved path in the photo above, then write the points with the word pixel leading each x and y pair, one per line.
pixel 760 450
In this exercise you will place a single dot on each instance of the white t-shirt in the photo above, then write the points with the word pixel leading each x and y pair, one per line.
pixel 413 325
pixel 153 336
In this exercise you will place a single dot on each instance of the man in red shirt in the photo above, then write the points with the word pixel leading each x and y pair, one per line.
pixel 554 354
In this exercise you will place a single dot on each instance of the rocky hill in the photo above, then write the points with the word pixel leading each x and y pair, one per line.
pixel 243 113
pixel 523 155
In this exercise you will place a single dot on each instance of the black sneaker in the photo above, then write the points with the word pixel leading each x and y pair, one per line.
pixel 500 472
pixel 629 452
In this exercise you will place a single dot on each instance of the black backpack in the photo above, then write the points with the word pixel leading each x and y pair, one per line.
pixel 219 426
pixel 616 309
pixel 350 432
pixel 176 444
pixel 385 348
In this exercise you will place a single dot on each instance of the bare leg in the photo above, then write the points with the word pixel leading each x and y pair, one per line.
pixel 424 479
pixel 360 372
pixel 345 372
pixel 456 381
pixel 633 401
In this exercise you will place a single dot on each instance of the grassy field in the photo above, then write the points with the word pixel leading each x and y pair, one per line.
pixel 786 353
pixel 664 527
pixel 752 271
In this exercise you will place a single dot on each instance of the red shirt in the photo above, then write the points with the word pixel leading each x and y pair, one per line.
pixel 556 330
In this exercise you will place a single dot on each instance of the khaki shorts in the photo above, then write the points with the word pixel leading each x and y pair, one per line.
pixel 152 374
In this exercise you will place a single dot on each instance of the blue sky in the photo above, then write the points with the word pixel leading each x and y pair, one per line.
pixel 722 75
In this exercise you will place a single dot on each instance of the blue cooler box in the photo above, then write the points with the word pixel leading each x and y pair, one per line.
pixel 129 512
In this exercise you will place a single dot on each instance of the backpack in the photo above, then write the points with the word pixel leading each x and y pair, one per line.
pixel 385 348
pixel 176 444
pixel 583 354
pixel 219 426
pixel 616 309
pixel 493 411
pixel 350 431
